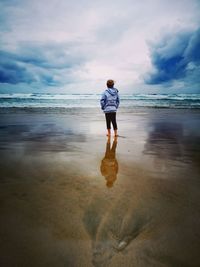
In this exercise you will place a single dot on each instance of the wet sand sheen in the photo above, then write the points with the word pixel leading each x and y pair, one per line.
pixel 71 198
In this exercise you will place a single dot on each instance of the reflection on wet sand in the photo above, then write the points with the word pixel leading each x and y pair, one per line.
pixel 165 144
pixel 147 220
pixel 109 164
pixel 164 141
pixel 53 192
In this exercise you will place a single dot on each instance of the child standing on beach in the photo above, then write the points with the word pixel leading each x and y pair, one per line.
pixel 109 104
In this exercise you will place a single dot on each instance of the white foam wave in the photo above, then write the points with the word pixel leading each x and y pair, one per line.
pixel 38 96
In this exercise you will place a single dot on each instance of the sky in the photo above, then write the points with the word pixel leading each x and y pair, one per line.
pixel 62 46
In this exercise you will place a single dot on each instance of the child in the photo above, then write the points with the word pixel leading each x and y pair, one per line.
pixel 109 104
pixel 109 164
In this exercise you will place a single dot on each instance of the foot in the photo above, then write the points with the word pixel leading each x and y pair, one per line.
pixel 108 134
pixel 115 135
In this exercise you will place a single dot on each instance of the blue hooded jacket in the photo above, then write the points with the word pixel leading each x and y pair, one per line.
pixel 110 100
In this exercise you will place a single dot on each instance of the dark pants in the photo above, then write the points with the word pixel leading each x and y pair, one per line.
pixel 111 117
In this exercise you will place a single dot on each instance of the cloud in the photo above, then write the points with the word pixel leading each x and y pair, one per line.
pixel 11 72
pixel 76 46
pixel 51 55
pixel 176 57
pixel 45 64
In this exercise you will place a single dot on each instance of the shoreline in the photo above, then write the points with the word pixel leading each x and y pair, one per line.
pixel 90 109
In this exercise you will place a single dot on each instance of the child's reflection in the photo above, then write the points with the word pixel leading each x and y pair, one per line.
pixel 109 164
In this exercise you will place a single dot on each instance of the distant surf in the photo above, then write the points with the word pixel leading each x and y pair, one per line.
pixel 37 100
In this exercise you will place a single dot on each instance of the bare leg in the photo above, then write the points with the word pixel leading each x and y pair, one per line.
pixel 115 138
pixel 115 131
pixel 108 134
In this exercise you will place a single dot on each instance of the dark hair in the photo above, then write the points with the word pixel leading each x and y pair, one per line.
pixel 110 83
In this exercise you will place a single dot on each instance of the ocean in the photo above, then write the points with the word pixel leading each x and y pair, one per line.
pixel 37 100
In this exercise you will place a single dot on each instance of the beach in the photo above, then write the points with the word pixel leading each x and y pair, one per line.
pixel 71 197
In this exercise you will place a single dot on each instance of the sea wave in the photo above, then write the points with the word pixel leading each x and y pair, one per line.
pixel 49 96
pixel 97 96
pixel 39 100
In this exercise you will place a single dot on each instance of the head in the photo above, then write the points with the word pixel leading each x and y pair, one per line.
pixel 110 180
pixel 110 83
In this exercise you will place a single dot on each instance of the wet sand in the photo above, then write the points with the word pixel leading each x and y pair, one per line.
pixel 70 197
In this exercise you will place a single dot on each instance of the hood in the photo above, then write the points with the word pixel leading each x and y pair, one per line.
pixel 112 91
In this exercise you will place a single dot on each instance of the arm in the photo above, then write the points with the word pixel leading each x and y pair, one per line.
pixel 103 101
pixel 118 101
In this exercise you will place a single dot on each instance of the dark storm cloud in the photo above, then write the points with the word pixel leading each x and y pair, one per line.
pixel 11 72
pixel 39 63
pixel 51 56
pixel 176 57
